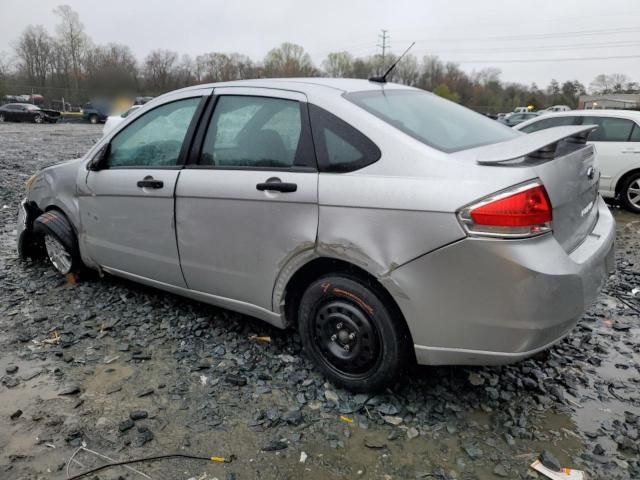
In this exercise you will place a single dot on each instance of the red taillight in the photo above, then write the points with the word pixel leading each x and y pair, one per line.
pixel 523 211
pixel 530 207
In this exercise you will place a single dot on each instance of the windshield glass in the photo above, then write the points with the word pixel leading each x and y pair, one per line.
pixel 434 121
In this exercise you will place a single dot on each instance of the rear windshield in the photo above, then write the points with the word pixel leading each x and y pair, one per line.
pixel 434 121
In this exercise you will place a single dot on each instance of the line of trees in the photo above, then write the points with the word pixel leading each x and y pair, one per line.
pixel 68 63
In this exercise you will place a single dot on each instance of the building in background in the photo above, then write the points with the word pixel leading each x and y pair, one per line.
pixel 617 101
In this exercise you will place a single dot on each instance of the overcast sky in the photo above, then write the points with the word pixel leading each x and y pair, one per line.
pixel 475 33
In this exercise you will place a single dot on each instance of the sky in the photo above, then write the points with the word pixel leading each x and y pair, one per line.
pixel 528 40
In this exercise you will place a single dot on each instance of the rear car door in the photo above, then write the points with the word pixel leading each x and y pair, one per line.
pixel 249 201
pixel 128 212
pixel 615 152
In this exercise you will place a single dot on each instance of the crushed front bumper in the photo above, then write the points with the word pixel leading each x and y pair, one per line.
pixel 487 302
pixel 27 213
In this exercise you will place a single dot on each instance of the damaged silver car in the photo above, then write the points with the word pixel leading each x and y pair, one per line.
pixel 386 224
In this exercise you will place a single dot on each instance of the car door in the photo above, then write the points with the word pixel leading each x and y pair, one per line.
pixel 127 213
pixel 615 152
pixel 250 201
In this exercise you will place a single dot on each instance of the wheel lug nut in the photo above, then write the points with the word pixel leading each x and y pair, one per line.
pixel 347 347
pixel 334 337
pixel 352 336
pixel 339 326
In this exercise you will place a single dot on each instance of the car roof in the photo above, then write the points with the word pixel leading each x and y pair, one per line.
pixel 316 85
pixel 628 114
pixel 18 105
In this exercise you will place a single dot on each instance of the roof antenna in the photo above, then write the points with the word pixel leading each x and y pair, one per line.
pixel 383 78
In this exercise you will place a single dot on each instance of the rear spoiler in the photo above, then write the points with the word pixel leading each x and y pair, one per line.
pixel 540 144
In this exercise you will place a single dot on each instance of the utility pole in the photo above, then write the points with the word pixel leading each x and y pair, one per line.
pixel 384 42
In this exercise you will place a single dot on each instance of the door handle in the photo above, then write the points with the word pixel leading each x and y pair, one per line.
pixel 278 186
pixel 150 183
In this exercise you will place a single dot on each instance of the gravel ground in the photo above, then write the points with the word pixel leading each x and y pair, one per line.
pixel 129 371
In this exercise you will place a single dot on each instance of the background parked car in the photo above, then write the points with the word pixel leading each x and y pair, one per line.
pixel 114 120
pixel 95 112
pixel 516 118
pixel 25 112
pixel 555 108
pixel 617 142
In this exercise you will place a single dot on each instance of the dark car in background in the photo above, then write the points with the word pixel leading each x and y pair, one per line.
pixel 96 112
pixel 25 112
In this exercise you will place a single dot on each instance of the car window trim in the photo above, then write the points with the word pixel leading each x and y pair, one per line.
pixel 182 155
pixel 195 151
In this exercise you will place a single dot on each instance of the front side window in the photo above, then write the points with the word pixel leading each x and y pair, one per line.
pixel 254 132
pixel 550 122
pixel 610 129
pixel 432 120
pixel 339 146
pixel 155 139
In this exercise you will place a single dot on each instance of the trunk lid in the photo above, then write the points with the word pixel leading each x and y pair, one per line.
pixel 565 164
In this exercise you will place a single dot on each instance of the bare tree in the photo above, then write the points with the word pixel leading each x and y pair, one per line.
pixel 432 72
pixel 72 39
pixel 288 60
pixel 33 50
pixel 600 85
pixel 111 68
pixel 407 71
pixel 159 70
pixel 338 64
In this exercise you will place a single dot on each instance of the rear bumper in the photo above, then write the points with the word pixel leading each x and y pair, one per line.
pixel 489 302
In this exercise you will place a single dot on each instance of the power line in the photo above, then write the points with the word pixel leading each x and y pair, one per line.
pixel 536 36
pixel 580 46
pixel 384 39
pixel 545 60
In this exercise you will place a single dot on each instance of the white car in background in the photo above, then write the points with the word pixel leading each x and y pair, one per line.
pixel 114 120
pixel 555 108
pixel 617 143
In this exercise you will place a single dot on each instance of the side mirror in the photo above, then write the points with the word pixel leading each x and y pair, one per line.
pixel 99 161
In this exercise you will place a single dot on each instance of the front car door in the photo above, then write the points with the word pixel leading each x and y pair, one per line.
pixel 251 200
pixel 127 210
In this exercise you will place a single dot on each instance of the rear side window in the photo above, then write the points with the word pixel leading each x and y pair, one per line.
pixel 256 132
pixel 339 146
pixel 635 134
pixel 610 129
pixel 432 120
pixel 550 122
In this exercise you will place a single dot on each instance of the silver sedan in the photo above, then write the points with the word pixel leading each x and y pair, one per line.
pixel 386 224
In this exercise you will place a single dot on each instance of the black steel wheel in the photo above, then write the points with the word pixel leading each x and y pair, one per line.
pixel 352 333
pixel 346 337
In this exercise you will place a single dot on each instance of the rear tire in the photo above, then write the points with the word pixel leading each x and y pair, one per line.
pixel 352 334
pixel 38 119
pixel 93 119
pixel 630 193
pixel 60 241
